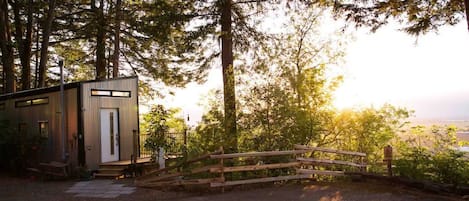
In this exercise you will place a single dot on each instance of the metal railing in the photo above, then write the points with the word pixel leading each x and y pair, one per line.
pixel 175 143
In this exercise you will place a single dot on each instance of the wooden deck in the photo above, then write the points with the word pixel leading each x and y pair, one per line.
pixel 127 162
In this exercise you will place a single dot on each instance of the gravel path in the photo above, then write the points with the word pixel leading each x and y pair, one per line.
pixel 17 189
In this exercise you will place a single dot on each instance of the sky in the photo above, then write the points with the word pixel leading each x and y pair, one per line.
pixel 428 74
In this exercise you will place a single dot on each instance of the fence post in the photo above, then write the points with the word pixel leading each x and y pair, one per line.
pixel 136 146
pixel 222 175
pixel 388 159
pixel 161 160
pixel 133 157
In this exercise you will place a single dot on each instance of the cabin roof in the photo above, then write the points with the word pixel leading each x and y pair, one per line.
pixel 39 91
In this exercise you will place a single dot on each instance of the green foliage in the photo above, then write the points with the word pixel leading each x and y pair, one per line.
pixel 432 158
pixel 18 150
pixel 286 98
pixel 368 130
pixel 419 17
pixel 414 163
pixel 159 123
pixel 209 134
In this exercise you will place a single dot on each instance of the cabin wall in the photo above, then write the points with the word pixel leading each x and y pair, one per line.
pixel 26 121
pixel 128 117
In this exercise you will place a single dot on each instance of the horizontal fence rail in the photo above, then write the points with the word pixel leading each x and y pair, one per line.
pixel 206 170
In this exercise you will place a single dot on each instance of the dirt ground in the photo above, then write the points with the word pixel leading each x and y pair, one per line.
pixel 16 189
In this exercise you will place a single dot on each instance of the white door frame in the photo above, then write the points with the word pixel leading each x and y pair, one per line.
pixel 109 127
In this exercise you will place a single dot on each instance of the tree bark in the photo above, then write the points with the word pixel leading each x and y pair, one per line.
pixel 24 42
pixel 115 61
pixel 228 77
pixel 6 46
pixel 45 43
pixel 100 40
pixel 466 4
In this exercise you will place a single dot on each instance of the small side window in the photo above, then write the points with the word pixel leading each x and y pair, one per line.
pixel 40 101
pixel 44 129
pixel 110 93
pixel 97 92
pixel 30 102
pixel 121 93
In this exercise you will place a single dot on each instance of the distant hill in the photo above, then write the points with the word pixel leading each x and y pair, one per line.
pixel 462 125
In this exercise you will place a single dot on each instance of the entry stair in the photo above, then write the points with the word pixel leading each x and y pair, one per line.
pixel 108 171
pixel 117 169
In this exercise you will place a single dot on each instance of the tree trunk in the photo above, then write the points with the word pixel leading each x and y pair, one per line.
pixel 100 41
pixel 115 61
pixel 6 46
pixel 24 42
pixel 466 4
pixel 228 77
pixel 46 31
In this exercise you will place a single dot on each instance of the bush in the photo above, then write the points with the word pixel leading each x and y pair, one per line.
pixel 434 159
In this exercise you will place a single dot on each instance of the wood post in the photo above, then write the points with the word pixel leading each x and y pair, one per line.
pixel 222 173
pixel 135 147
pixel 388 158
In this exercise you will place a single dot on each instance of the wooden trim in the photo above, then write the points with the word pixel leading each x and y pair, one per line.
pixel 320 172
pixel 303 147
pixel 336 162
pixel 254 167
pixel 258 154
pixel 260 180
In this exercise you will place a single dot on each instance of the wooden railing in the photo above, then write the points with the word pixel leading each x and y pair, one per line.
pixel 303 163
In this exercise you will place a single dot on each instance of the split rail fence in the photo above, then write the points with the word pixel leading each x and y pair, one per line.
pixel 212 168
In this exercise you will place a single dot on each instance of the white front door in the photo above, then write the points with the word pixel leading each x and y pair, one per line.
pixel 109 135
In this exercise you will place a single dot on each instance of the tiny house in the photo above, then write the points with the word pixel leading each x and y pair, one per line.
pixel 100 120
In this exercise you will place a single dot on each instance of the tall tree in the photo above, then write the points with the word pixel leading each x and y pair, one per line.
pixel 100 39
pixel 6 45
pixel 228 76
pixel 117 28
pixel 234 24
pixel 46 32
pixel 24 39
pixel 289 102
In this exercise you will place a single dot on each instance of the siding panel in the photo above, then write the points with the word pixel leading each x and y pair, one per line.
pixel 128 117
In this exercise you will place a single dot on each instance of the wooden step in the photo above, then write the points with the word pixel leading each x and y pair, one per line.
pixel 110 171
pixel 107 175
pixel 119 167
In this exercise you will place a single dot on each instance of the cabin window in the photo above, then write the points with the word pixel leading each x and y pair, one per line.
pixel 39 101
pixel 23 103
pixel 44 129
pixel 121 93
pixel 110 93
pixel 97 92
pixel 35 101
pixel 2 106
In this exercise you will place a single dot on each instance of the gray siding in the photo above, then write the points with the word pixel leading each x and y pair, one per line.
pixel 128 117
pixel 30 117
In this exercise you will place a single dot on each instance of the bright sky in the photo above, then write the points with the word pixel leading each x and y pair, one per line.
pixel 429 75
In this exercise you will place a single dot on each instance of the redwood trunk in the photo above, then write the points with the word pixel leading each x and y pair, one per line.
pixel 46 31
pixel 24 42
pixel 6 46
pixel 115 61
pixel 228 77
pixel 466 4
pixel 100 42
